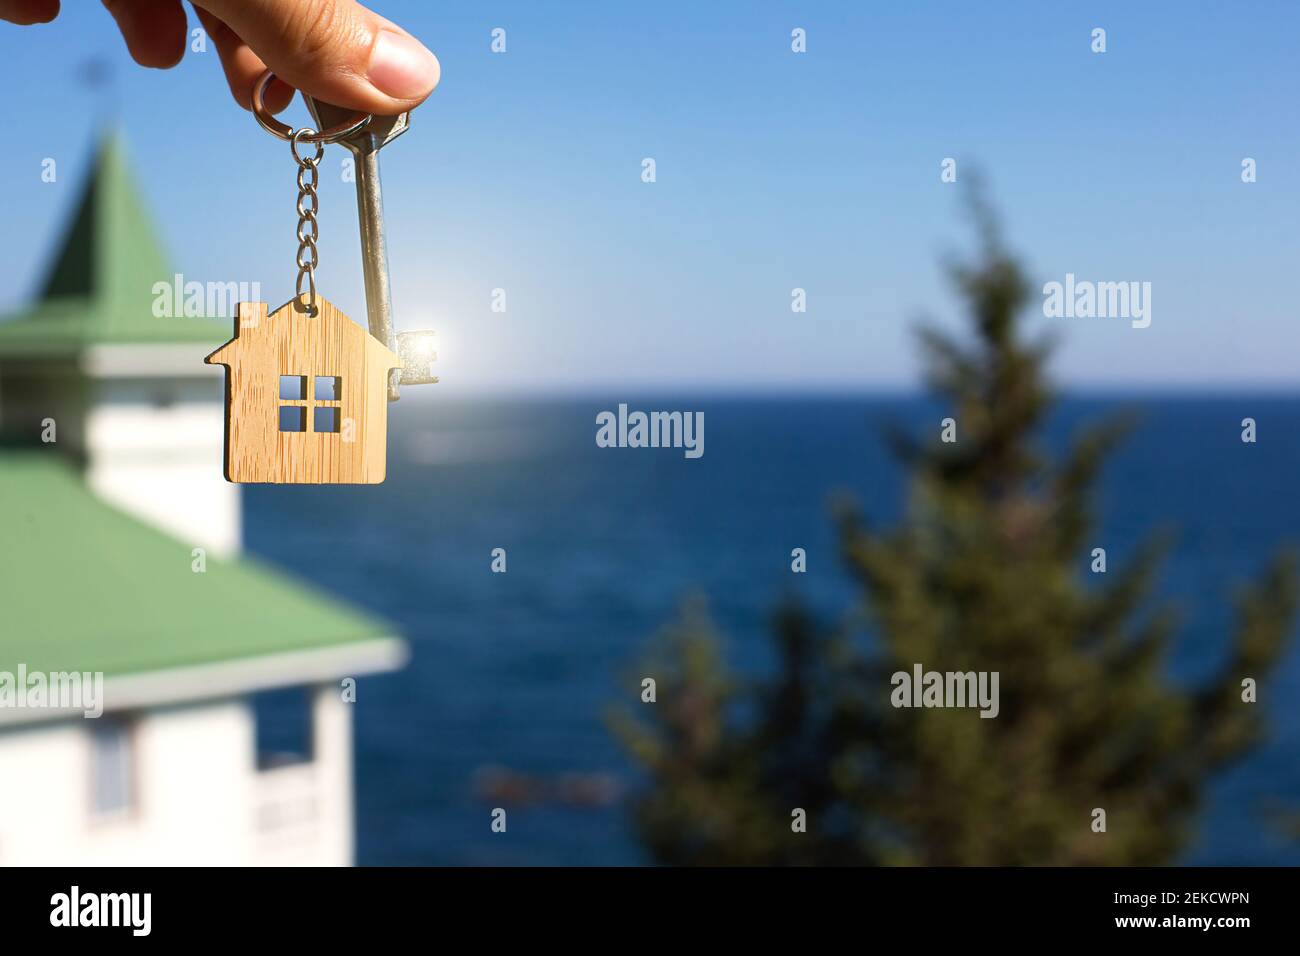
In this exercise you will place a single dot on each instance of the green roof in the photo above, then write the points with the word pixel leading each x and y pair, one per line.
pixel 85 587
pixel 101 287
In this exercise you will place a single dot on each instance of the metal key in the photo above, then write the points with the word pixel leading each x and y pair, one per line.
pixel 414 348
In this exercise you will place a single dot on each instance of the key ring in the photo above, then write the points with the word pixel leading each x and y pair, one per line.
pixel 276 128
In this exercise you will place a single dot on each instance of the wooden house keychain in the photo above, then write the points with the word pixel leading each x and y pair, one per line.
pixel 307 389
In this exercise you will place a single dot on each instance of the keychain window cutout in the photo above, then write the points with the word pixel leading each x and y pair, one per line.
pixel 325 415
pixel 341 356
pixel 326 419
pixel 329 388
pixel 293 387
pixel 293 418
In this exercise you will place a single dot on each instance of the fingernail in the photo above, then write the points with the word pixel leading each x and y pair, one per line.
pixel 401 67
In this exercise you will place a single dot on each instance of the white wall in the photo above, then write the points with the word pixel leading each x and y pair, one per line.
pixel 164 463
pixel 200 799
pixel 149 423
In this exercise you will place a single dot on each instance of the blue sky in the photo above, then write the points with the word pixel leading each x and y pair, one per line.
pixel 775 170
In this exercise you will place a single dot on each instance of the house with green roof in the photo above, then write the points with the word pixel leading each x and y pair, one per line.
pixel 122 590
pixel 92 369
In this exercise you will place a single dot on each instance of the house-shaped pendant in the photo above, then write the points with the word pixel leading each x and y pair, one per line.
pixel 306 396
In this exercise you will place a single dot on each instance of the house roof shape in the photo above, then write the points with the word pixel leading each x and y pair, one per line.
pixel 100 289
pixel 248 318
pixel 85 587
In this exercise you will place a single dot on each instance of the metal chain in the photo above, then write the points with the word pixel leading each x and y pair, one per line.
pixel 307 215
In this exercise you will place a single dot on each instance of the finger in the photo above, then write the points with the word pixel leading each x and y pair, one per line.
pixel 336 50
pixel 243 67
pixel 154 30
pixel 27 12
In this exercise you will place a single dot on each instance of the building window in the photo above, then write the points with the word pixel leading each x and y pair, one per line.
pixel 282 721
pixel 112 767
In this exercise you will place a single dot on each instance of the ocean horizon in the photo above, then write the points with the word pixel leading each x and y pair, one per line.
pixel 511 675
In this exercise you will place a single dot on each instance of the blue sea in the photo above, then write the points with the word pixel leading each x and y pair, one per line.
pixel 518 670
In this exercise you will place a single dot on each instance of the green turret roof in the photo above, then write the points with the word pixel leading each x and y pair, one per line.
pixel 101 288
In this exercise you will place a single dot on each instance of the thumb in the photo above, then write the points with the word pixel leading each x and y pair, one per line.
pixel 335 50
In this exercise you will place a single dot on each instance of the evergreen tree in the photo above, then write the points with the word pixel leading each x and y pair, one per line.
pixel 985 571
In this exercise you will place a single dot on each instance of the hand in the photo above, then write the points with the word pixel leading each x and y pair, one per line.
pixel 335 50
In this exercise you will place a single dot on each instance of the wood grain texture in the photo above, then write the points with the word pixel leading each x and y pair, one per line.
pixel 291 342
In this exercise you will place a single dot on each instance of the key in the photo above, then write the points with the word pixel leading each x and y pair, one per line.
pixel 415 348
